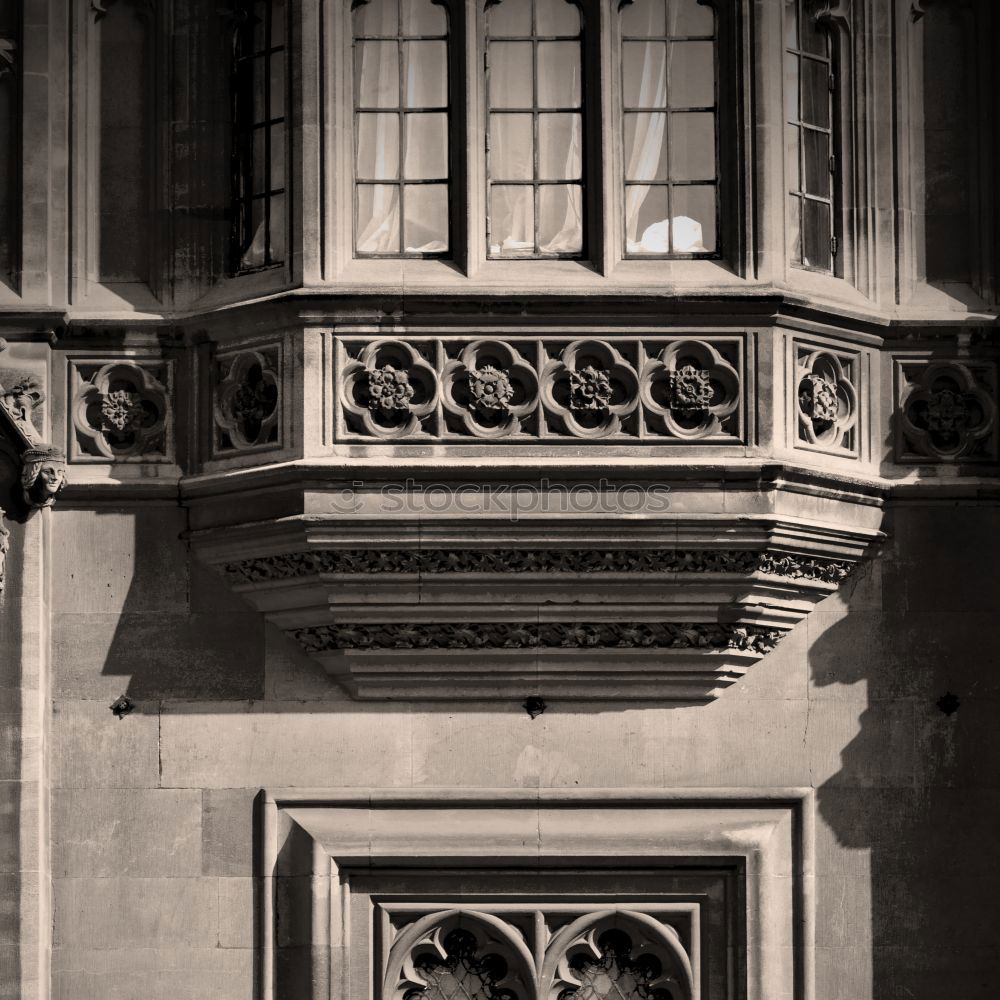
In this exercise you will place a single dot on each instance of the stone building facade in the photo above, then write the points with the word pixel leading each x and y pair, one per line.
pixel 499 498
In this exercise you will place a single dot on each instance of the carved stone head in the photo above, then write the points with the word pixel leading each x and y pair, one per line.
pixel 43 475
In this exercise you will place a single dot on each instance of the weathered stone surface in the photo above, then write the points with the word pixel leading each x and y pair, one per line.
pixel 93 749
pixel 153 973
pixel 110 914
pixel 126 832
pixel 227 831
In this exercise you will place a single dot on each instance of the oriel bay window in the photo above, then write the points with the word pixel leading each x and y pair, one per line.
pixel 809 150
pixel 401 126
pixel 497 121
pixel 669 101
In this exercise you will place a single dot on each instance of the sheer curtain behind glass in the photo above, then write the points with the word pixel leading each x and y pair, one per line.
pixel 669 103
pixel 401 128
pixel 534 146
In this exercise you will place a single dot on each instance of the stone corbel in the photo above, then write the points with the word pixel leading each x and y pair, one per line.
pixel 919 7
pixel 833 12
pixel 40 468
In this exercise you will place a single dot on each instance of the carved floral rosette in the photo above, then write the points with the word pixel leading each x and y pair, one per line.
pixel 247 406
pixel 389 389
pixel 690 391
pixel 490 390
pixel 122 412
pixel 590 390
pixel 826 401
pixel 947 412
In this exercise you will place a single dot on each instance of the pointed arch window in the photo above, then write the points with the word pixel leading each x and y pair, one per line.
pixel 402 150
pixel 535 108
pixel 810 163
pixel 669 87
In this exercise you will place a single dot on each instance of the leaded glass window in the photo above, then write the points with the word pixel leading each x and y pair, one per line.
pixel 259 75
pixel 401 124
pixel 669 102
pixel 535 142
pixel 809 153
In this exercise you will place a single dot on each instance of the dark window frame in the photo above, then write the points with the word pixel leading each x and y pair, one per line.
pixel 720 182
pixel 247 55
pixel 833 202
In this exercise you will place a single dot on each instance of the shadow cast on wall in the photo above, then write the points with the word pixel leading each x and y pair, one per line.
pixel 917 796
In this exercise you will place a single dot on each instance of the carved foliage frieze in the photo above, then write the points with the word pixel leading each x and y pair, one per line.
pixel 293 565
pixel 538 635
pixel 122 410
pixel 656 389
pixel 247 400
pixel 825 398
pixel 946 411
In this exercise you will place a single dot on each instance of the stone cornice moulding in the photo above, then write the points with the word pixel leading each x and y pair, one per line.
pixel 660 606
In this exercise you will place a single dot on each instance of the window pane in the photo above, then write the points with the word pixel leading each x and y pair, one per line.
pixel 814 38
pixel 255 253
pixel 378 147
pixel 511 147
pixel 645 149
pixel 510 17
pixel 512 220
pixel 422 17
pixel 426 68
pixel 692 146
pixel 560 218
pixel 376 72
pixel 425 226
pixel 816 234
pixel 646 225
pixel 377 17
pixel 692 74
pixel 259 176
pixel 510 74
pixel 792 157
pixel 644 74
pixel 259 25
pixel 815 93
pixel 794 223
pixel 378 218
pixel 259 88
pixel 559 154
pixel 694 219
pixel 559 74
pixel 688 17
pixel 557 17
pixel 277 23
pixel 278 85
pixel 277 156
pixel 644 18
pixel 791 87
pixel 817 162
pixel 426 147
pixel 277 228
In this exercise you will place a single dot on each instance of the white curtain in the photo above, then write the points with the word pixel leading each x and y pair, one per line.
pixel 644 156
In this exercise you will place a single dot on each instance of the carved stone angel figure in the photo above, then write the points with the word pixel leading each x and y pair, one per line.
pixel 43 476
